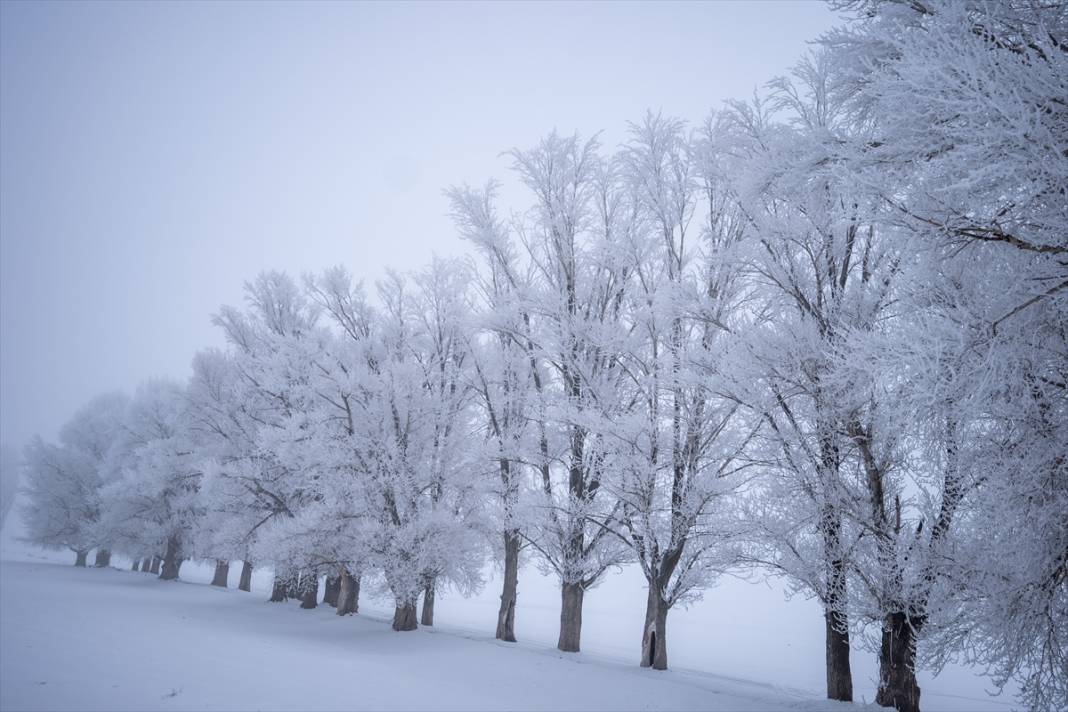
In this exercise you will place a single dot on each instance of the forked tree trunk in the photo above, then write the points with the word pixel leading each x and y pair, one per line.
pixel 80 557
pixel 404 616
pixel 571 595
pixel 172 560
pixel 103 558
pixel 222 573
pixel 155 565
pixel 427 618
pixel 331 590
pixel 245 582
pixel 280 591
pixel 348 598
pixel 510 590
pixel 654 635
pixel 309 595
pixel 897 664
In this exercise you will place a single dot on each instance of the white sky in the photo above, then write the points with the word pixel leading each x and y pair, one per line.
pixel 155 156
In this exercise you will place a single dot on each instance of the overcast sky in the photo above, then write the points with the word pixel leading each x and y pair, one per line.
pixel 155 156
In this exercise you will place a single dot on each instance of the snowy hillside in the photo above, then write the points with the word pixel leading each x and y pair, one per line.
pixel 123 640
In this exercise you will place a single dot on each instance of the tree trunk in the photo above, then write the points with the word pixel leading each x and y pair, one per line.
pixel 506 615
pixel 280 591
pixel 839 675
pixel 222 573
pixel 404 616
pixel 309 591
pixel 80 557
pixel 135 566
pixel 155 565
pixel 571 595
pixel 348 600
pixel 654 636
pixel 145 564
pixel 245 582
pixel 172 560
pixel 897 665
pixel 103 558
pixel 427 618
pixel 331 590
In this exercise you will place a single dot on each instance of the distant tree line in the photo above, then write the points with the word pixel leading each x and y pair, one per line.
pixel 822 336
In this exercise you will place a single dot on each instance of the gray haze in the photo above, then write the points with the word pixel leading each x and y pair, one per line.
pixel 154 156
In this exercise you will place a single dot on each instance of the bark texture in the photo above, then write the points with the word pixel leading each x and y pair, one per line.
pixel 348 599
pixel 897 664
pixel 510 589
pixel 404 617
pixel 331 590
pixel 103 558
pixel 654 635
pixel 222 574
pixel 571 595
pixel 427 617
pixel 172 560
pixel 245 582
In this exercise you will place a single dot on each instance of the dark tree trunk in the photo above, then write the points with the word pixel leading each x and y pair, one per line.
pixel 155 565
pixel 245 582
pixel 506 614
pixel 280 591
pixel 80 557
pixel 404 617
pixel 654 635
pixel 103 558
pixel 222 574
pixel 427 618
pixel 172 560
pixel 331 590
pixel 135 565
pixel 571 595
pixel 145 564
pixel 309 591
pixel 839 674
pixel 348 599
pixel 897 665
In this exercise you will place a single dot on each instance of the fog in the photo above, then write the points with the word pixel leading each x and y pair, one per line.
pixel 154 156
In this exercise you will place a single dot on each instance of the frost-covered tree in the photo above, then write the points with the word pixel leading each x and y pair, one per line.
pixel 676 450
pixel 66 488
pixel 10 474
pixel 502 376
pixel 152 502
pixel 579 280
pixel 967 148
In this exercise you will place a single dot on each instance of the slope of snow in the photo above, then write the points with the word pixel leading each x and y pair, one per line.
pixel 110 639
pixel 119 640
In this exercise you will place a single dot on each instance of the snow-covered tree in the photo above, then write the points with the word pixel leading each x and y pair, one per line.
pixel 151 505
pixel 502 377
pixel 66 488
pixel 579 280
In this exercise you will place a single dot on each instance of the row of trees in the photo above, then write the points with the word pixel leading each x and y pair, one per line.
pixel 822 336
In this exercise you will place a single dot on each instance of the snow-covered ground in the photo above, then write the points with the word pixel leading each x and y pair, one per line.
pixel 113 639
